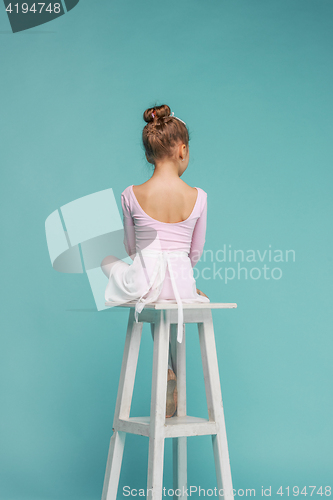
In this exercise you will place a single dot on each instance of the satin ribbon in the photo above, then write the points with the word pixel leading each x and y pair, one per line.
pixel 163 263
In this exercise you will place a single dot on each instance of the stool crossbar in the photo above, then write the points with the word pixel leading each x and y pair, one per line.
pixel 162 317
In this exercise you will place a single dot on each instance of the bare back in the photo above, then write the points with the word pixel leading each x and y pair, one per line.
pixel 169 202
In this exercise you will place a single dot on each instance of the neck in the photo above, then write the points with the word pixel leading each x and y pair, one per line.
pixel 167 169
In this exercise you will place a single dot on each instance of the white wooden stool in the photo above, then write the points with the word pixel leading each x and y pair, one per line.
pixel 163 318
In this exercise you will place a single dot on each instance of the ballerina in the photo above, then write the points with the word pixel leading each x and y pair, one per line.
pixel 164 230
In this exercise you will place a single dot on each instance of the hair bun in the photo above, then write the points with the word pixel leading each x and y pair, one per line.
pixel 158 111
pixel 161 136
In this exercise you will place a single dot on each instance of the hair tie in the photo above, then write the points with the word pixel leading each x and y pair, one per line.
pixel 173 115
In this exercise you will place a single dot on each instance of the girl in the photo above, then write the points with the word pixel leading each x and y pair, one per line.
pixel 164 230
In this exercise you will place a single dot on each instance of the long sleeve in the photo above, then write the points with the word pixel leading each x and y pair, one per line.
pixel 129 228
pixel 199 236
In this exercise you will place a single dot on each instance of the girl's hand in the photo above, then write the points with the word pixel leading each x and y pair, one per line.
pixel 201 293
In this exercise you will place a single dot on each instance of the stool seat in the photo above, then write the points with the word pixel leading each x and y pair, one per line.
pixel 173 305
pixel 162 317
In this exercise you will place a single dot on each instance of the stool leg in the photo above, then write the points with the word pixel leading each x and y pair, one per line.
pixel 123 407
pixel 113 467
pixel 158 406
pixel 215 405
pixel 170 361
pixel 179 445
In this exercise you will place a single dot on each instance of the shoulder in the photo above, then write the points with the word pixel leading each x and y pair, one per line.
pixel 126 196
pixel 202 193
pixel 126 191
pixel 196 191
pixel 202 198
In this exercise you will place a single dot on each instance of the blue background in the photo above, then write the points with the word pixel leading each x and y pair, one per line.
pixel 253 81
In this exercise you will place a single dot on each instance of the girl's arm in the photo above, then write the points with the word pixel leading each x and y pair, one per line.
pixel 198 236
pixel 129 229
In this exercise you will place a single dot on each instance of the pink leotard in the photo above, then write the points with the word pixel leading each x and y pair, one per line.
pixel 163 254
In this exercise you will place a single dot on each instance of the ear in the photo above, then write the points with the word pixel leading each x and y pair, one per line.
pixel 180 148
pixel 183 149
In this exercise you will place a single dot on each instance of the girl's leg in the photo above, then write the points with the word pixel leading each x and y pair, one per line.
pixel 171 396
pixel 107 264
pixel 170 362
